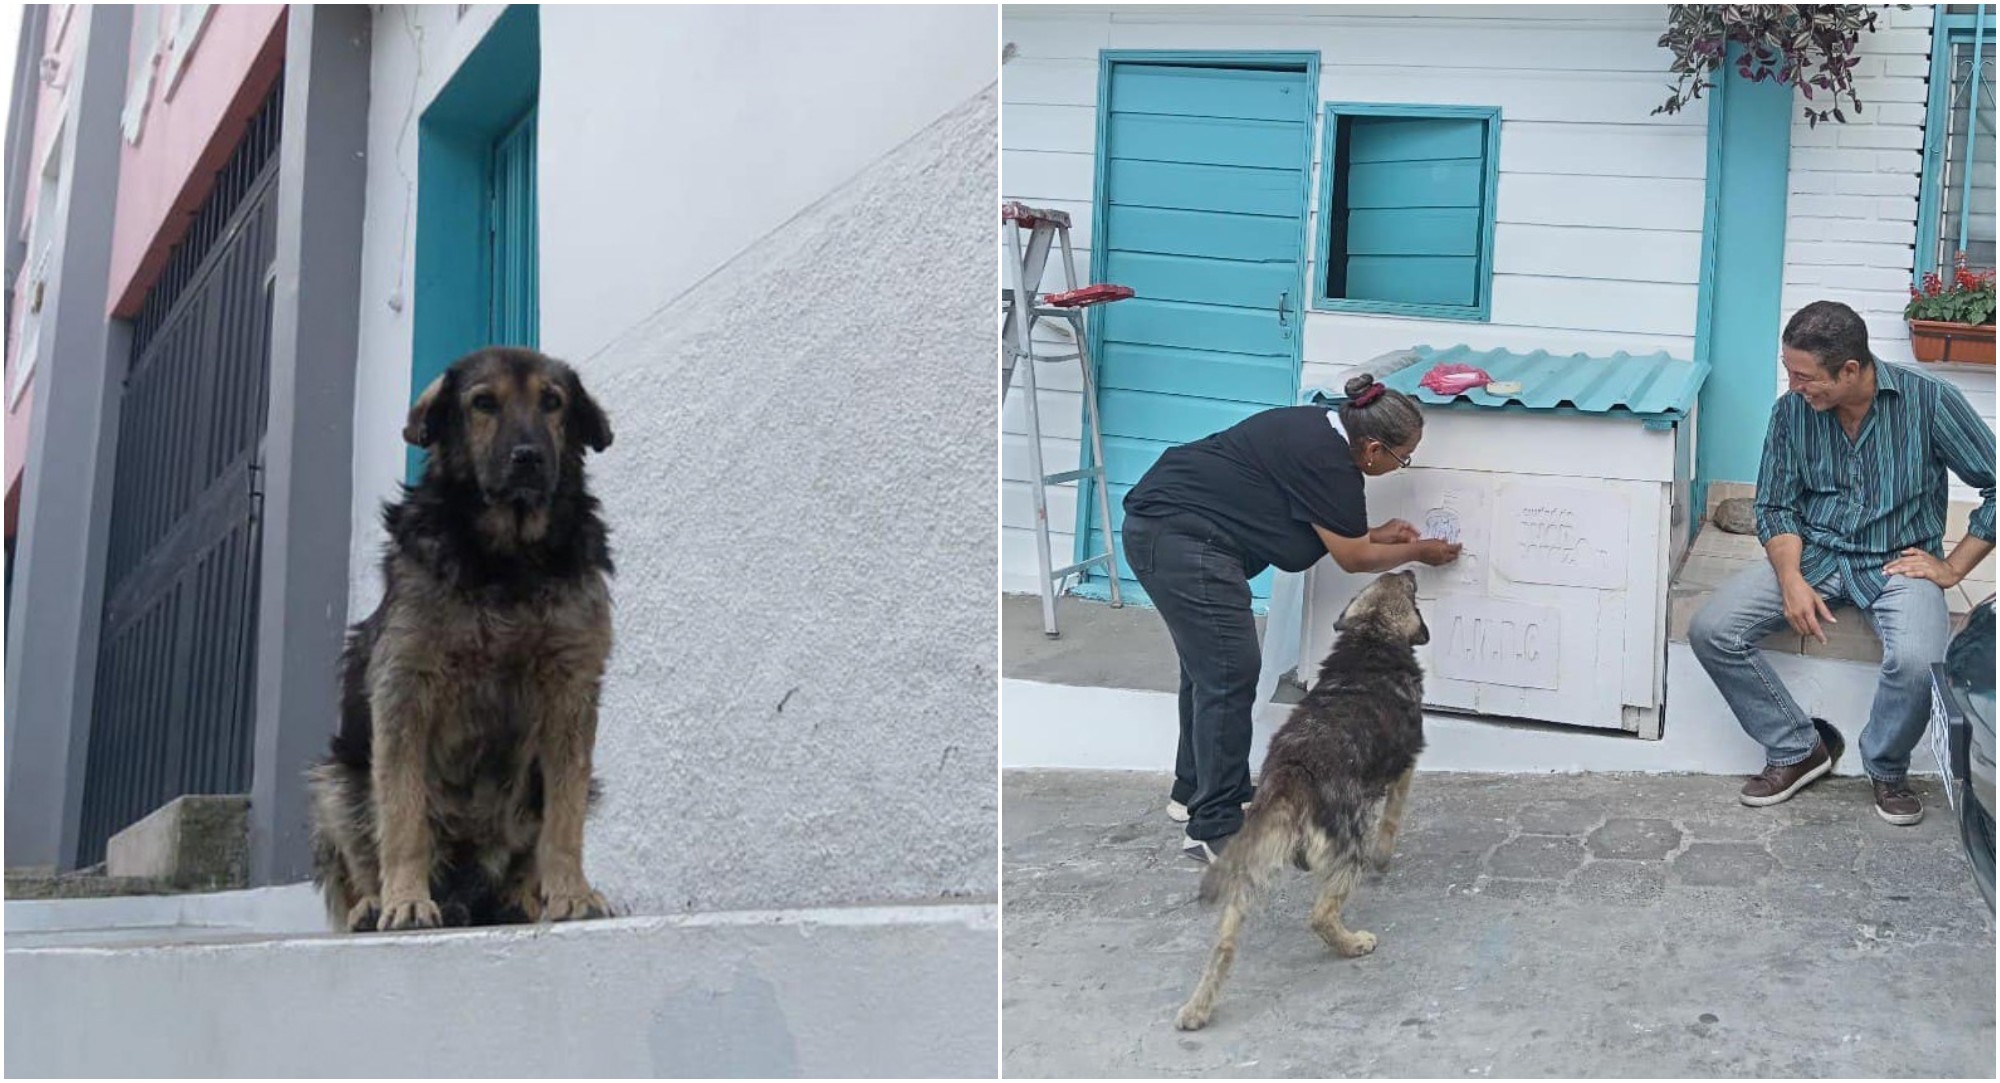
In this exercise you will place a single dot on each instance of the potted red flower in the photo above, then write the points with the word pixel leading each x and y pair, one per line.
pixel 1953 321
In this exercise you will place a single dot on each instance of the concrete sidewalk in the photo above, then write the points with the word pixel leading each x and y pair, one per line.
pixel 1572 925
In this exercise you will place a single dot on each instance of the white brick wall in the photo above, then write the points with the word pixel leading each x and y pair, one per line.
pixel 1851 221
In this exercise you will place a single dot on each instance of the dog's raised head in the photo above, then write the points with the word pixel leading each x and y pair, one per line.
pixel 512 421
pixel 1386 608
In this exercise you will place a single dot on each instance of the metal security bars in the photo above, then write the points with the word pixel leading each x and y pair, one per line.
pixel 176 658
pixel 1956 212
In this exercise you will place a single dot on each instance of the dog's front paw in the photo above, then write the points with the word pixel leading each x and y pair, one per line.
pixel 1355 944
pixel 409 914
pixel 1191 1018
pixel 524 905
pixel 363 916
pixel 575 905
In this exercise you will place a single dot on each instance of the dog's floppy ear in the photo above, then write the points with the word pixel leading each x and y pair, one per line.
pixel 1340 622
pixel 590 424
pixel 428 415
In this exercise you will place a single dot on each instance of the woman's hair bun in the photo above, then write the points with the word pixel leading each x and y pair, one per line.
pixel 1356 385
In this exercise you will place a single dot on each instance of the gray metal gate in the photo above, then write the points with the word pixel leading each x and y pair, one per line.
pixel 177 656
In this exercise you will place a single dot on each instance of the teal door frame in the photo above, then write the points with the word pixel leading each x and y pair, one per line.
pixel 1738 313
pixel 490 97
pixel 1109 60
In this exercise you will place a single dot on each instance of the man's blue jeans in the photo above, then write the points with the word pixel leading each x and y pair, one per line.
pixel 1911 620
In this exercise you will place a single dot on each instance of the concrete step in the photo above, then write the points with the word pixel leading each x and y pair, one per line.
pixel 884 991
pixel 91 883
pixel 1123 729
pixel 198 842
pixel 1716 555
pixel 163 917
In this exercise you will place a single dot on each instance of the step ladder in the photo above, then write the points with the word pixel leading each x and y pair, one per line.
pixel 1019 314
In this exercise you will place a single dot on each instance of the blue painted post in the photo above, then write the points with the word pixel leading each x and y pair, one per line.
pixel 1971 125
pixel 1743 271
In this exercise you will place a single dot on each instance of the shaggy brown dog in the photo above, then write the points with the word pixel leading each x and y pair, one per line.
pixel 457 786
pixel 1334 781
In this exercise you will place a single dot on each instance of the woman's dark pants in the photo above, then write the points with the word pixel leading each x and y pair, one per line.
pixel 1195 577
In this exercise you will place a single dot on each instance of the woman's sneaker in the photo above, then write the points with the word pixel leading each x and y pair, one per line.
pixel 1204 850
pixel 1178 812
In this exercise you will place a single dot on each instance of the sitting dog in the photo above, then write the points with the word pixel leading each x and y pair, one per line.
pixel 459 780
pixel 1334 782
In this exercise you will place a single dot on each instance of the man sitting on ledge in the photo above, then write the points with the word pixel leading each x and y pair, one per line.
pixel 1850 506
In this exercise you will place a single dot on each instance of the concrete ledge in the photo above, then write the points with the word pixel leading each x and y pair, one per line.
pixel 1716 555
pixel 1068 726
pixel 885 991
pixel 288 910
pixel 74 885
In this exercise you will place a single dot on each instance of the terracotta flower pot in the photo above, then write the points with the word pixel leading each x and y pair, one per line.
pixel 1963 343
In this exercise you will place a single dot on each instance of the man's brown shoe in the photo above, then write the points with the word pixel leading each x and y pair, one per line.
pixel 1777 784
pixel 1895 803
pixel 1835 743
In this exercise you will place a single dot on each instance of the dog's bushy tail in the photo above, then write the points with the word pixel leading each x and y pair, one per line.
pixel 342 832
pixel 1272 833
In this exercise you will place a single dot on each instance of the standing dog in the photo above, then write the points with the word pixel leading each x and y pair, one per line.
pixel 1334 781
pixel 457 786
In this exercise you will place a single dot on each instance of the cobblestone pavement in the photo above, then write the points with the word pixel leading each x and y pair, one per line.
pixel 1547 925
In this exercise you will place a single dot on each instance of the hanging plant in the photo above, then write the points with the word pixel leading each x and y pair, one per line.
pixel 1810 46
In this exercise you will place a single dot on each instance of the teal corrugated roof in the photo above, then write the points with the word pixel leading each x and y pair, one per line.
pixel 1653 387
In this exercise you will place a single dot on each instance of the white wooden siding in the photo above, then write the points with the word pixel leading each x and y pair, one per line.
pixel 1598 237
pixel 1851 214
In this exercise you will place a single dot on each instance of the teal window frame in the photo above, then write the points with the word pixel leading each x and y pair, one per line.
pixel 476 279
pixel 1332 113
pixel 1949 30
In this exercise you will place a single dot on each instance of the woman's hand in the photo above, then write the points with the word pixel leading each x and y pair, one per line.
pixel 1435 552
pixel 1393 532
pixel 1357 556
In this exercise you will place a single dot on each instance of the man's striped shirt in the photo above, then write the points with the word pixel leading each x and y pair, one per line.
pixel 1857 504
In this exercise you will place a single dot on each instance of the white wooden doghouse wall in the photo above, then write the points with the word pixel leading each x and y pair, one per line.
pixel 1571 498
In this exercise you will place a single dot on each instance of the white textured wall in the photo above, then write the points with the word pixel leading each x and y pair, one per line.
pixel 801 491
pixel 1598 239
pixel 1851 215
pixel 801 706
pixel 672 137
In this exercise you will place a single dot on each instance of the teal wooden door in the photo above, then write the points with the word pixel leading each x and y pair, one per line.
pixel 1202 211
pixel 513 294
pixel 493 285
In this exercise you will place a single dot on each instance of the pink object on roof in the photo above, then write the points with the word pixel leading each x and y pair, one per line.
pixel 1454 379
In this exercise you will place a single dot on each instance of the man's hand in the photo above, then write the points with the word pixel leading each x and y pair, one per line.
pixel 1917 564
pixel 1805 609
pixel 1434 552
pixel 1393 532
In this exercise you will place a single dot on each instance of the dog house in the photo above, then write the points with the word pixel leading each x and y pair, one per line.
pixel 1571 497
